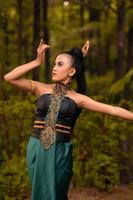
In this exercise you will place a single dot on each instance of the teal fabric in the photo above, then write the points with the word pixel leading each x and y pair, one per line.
pixel 50 170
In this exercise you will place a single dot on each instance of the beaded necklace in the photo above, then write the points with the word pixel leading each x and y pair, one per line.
pixel 48 133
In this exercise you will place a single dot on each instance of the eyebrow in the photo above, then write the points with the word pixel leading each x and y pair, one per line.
pixel 59 62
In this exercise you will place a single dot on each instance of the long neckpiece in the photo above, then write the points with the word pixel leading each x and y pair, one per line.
pixel 48 133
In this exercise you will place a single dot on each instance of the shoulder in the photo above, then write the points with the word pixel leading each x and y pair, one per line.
pixel 78 98
pixel 85 101
pixel 41 87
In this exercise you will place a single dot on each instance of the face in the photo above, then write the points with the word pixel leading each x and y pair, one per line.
pixel 63 68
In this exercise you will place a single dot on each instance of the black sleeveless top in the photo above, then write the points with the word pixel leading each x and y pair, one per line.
pixel 68 112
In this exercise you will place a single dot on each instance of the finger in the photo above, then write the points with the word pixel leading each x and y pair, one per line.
pixel 87 43
pixel 45 46
pixel 41 42
pixel 86 48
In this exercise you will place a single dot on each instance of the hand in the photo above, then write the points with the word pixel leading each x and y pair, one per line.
pixel 41 50
pixel 86 48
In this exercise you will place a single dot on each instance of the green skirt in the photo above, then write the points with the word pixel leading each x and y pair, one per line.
pixel 50 170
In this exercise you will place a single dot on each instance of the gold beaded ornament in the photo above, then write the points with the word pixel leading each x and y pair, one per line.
pixel 48 133
pixel 85 48
pixel 32 87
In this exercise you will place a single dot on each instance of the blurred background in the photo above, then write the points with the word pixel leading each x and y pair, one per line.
pixel 103 150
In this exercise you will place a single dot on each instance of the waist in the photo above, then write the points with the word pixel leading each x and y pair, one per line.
pixel 63 132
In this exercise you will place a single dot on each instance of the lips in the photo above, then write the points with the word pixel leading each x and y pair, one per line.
pixel 53 74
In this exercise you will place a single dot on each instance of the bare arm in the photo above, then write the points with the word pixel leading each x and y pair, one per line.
pixel 16 73
pixel 15 76
pixel 90 104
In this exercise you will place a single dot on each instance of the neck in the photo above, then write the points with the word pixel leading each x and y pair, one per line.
pixel 65 82
pixel 60 86
pixel 62 83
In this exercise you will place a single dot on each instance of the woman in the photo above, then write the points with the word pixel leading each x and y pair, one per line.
pixel 49 149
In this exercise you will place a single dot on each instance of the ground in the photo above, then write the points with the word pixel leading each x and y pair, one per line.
pixel 119 193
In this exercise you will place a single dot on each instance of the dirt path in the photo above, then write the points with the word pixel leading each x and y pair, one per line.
pixel 120 193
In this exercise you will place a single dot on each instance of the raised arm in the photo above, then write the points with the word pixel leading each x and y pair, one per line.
pixel 14 77
pixel 90 104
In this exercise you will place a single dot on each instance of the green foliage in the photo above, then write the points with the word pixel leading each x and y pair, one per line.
pixel 119 86
pixel 102 172
pixel 98 153
pixel 16 115
pixel 99 85
pixel 14 183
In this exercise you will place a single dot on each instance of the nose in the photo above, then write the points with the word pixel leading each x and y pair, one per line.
pixel 54 68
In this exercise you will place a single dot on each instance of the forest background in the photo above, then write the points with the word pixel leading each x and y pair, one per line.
pixel 103 150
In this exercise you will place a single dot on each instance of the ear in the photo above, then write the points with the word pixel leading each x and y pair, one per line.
pixel 72 71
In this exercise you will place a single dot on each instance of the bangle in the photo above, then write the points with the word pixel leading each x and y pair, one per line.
pixel 32 87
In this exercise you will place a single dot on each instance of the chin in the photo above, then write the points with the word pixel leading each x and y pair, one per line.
pixel 55 79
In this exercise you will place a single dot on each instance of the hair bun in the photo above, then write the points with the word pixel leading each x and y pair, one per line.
pixel 77 52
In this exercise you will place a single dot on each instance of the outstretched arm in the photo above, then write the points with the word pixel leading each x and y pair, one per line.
pixel 90 104
pixel 14 77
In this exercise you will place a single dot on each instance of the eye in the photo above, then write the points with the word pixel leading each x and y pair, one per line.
pixel 60 63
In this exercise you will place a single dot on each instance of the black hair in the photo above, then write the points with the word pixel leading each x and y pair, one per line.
pixel 78 63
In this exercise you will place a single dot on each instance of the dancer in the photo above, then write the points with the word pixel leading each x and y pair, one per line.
pixel 49 152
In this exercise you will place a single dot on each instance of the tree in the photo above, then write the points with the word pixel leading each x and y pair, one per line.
pixel 36 33
pixel 46 38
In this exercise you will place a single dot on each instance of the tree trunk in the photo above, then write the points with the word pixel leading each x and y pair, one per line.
pixel 120 41
pixel 20 36
pixel 95 15
pixel 130 49
pixel 47 73
pixel 20 30
pixel 107 44
pixel 36 34
pixel 6 60
pixel 82 19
